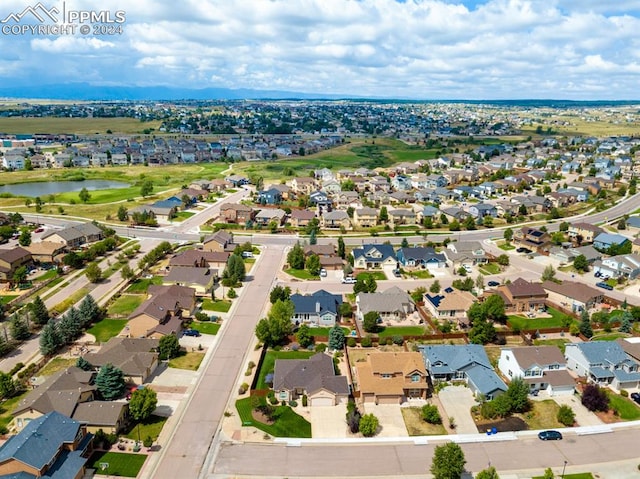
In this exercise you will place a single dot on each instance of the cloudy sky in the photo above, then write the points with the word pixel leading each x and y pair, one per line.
pixel 421 49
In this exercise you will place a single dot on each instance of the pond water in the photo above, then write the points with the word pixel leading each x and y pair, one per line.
pixel 42 189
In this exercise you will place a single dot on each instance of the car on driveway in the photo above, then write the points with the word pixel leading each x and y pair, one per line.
pixel 493 284
pixel 636 397
pixel 192 332
pixel 323 273
pixel 523 250
pixel 349 280
pixel 550 435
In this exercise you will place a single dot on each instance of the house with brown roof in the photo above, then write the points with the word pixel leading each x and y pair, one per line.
pixel 236 213
pixel 46 252
pixel 162 313
pixel 200 259
pixel 543 368
pixel 301 218
pixel 68 392
pixel 365 217
pixel 450 306
pixel 533 239
pixel 219 241
pixel 137 358
pixel 573 295
pixel 314 377
pixel 11 260
pixel 392 378
pixel 583 233
pixel 631 347
pixel 200 279
pixel 522 296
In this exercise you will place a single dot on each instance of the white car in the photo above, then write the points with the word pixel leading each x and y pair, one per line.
pixel 349 280
pixel 323 272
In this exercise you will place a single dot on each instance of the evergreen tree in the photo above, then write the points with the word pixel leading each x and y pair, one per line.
pixel 5 347
pixel 83 364
pixel 50 339
pixel 8 387
pixel 168 347
pixel 405 243
pixel 123 213
pixel 585 324
pixel 341 248
pixel 312 237
pixel 625 322
pixel 70 326
pixel 336 337
pixel 110 382
pixel 89 311
pixel 313 264
pixel 295 257
pixel 39 312
pixel 19 327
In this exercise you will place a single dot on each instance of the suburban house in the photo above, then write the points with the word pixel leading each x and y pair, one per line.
pixel 480 210
pixel 301 218
pixel 604 241
pixel 11 260
pixel 52 446
pixel 533 239
pixel 403 217
pixel 421 257
pixel 317 309
pixel 327 255
pixel 269 215
pixel 450 305
pixel 335 219
pixel 604 363
pixel 303 185
pixel 195 258
pixel 465 254
pixel 219 241
pixel 135 357
pixel 314 377
pixel 624 265
pixel 161 313
pixel 522 296
pixel 200 279
pixel 45 252
pixel 394 304
pixel 573 295
pixel 236 213
pixel 583 232
pixel 468 363
pixel 75 236
pixel 272 196
pixel 631 346
pixel 543 368
pixel 71 392
pixel 392 378
pixel 374 256
pixel 365 217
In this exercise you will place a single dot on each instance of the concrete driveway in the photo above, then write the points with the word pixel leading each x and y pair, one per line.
pixel 390 418
pixel 328 422
pixel 584 417
pixel 457 401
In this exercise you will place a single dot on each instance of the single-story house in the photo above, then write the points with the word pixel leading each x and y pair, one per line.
pixel 450 306
pixel 392 304
pixel 137 358
pixel 573 295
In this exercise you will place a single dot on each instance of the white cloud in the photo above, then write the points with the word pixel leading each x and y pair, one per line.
pixel 69 44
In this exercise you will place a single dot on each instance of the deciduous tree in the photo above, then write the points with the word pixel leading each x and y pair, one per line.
pixel 168 346
pixel 448 461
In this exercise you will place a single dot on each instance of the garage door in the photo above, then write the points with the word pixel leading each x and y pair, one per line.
pixel 388 400
pixel 321 401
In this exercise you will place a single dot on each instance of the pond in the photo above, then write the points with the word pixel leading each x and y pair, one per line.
pixel 43 189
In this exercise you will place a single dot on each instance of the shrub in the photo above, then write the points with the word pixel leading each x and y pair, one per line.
pixel 251 365
pixel 243 388
pixel 293 403
pixel 351 342
pixel 488 410
pixel 366 342
pixel 305 401
pixel 369 425
pixel 231 294
pixel 200 316
pixel 16 368
pixel 624 393
pixel 147 441
pixel 430 414
pixel 566 415
pixel 353 417
pixel 321 347
pixel 388 341
pixel 397 339
pixel 594 398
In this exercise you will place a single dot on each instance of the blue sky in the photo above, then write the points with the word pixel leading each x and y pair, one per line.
pixel 422 49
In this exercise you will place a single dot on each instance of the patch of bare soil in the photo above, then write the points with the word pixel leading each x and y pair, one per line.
pixel 511 423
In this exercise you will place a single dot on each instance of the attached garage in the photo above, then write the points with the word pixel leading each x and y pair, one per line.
pixel 389 399
pixel 321 401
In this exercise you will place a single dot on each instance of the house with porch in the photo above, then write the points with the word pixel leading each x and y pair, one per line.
pixel 393 304
pixel 523 296
pixel 450 305
pixel 374 256
pixel 421 257
pixel 319 309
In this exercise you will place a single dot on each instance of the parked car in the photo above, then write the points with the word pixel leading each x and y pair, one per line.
pixel 550 435
pixel 349 280
pixel 397 273
pixel 323 272
pixel 192 332
pixel 39 230
pixel 604 285
pixel 636 397
pixel 247 254
pixel 523 250
pixel 493 284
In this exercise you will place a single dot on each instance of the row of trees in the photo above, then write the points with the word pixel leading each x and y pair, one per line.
pixel 155 255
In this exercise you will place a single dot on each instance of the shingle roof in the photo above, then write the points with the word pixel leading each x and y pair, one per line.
pixel 99 413
pixel 321 300
pixel 190 275
pixel 522 287
pixel 538 355
pixel 311 374
pixel 397 364
pixel 573 289
pixel 391 300
pixel 13 254
pixel 133 356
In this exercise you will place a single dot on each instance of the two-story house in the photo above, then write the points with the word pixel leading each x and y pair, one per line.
pixel 11 260
pixel 317 309
pixel 583 233
pixel 374 256
pixel 365 217
pixel 533 239
pixel 522 296
pixel 604 363
pixel 620 266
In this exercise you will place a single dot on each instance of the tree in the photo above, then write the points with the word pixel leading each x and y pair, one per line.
pixel 585 324
pixel 336 337
pixel 482 331
pixel 435 287
pixel 594 398
pixel 503 260
pixel 28 202
pixel 39 312
pixel 369 425
pixel 84 195
pixel 127 272
pixel 488 473
pixel 168 346
pixel 480 281
pixel 313 264
pixel 8 387
pixel 25 237
pixel 370 283
pixel 448 461
pixel 341 247
pixel 83 364
pixel 383 217
pixel 508 235
pixel 548 474
pixel 142 404
pixel 304 336
pixel 370 321
pixel 277 326
pixel 50 339
pixel 19 327
pixel 517 396
pixel 123 213
pixel 549 273
pixel 625 322
pixel 93 272
pixel 295 257
pixel 418 294
pixel 431 414
pixel 494 309
pixel 282 293
pixel 89 311
pixel 566 416
pixel 20 275
pixel 110 382
pixel 580 263
pixel 312 237
pixel 146 188
pixel 235 271
pixel 405 243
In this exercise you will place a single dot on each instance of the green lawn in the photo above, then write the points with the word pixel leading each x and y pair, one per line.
pixel 579 475
pixel 490 268
pixel 71 300
pixel 120 463
pixel 125 305
pixel 609 336
pixel 543 415
pixel 325 331
pixel 55 365
pixel 140 286
pixel 270 360
pixel 388 331
pixel 7 406
pixel 183 215
pixel 289 424
pixel 422 274
pixel 561 343
pixel 189 361
pixel 557 320
pixel 150 427
pixel 206 328
pixel 218 306
pixel 300 274
pixel 506 247
pixel 6 298
pixel 377 275
pixel 625 407
pixel 52 273
pixel 107 329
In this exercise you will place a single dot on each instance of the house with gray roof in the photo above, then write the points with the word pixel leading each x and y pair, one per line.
pixel 574 295
pixel 604 363
pixel 392 304
pixel 374 256
pixel 52 446
pixel 624 265
pixel 137 358
pixel 468 363
pixel 200 279
pixel 421 257
pixel 76 235
pixel 314 377
pixel 317 309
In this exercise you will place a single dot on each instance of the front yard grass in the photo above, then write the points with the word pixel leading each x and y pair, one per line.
pixel 489 269
pixel 55 365
pixel 300 274
pixel 543 415
pixel 389 331
pixel 377 275
pixel 125 305
pixel 288 424
pixel 150 427
pixel 421 274
pixel 6 298
pixel 183 215
pixel 206 328
pixel 218 305
pixel 187 360
pixel 322 331
pixel 106 329
pixel 120 463
pixel 50 274
pixel 416 426
pixel 625 408
pixel 268 364
pixel 140 286
pixel 506 247
pixel 561 343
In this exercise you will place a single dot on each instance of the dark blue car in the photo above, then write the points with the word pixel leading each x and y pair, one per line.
pixel 550 435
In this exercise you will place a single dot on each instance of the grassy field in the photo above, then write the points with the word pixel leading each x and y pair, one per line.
pixel 125 305
pixel 289 424
pixel 79 126
pixel 71 300
pixel 150 427
pixel 120 463
pixel 389 331
pixel 140 286
pixel 270 360
pixel 416 426
pixel 206 328
pixel 217 306
pixel 189 361
pixel 107 329
pixel 625 407
pixel 55 365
